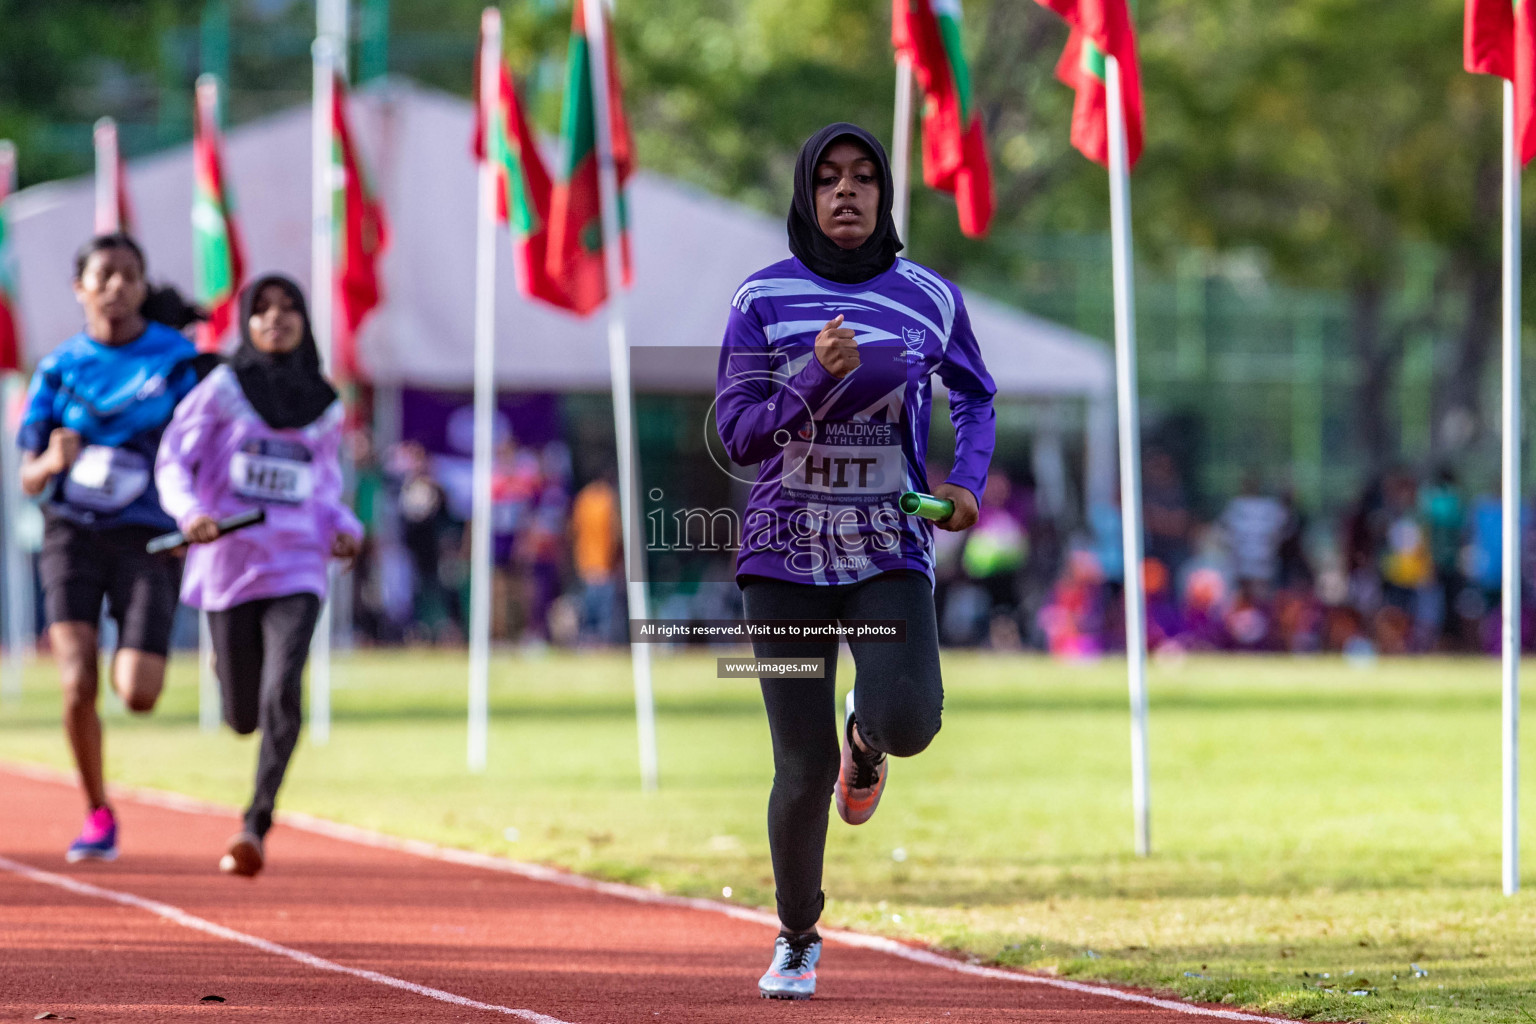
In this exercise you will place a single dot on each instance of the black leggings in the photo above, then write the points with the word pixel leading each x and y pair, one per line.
pixel 898 703
pixel 259 650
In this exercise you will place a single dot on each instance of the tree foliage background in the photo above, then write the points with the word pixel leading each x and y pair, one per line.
pixel 1333 143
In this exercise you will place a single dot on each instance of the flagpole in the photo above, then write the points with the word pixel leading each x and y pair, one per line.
pixel 623 392
pixel 901 148
pixel 18 585
pixel 108 203
pixel 1511 513
pixel 485 397
pixel 329 46
pixel 1130 450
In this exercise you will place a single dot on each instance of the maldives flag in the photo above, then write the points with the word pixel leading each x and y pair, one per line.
pixel 218 262
pixel 1501 40
pixel 575 257
pixel 361 236
pixel 524 192
pixel 927 34
pixel 10 321
pixel 524 196
pixel 1100 28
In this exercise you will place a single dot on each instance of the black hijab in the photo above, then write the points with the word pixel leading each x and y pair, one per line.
pixel 286 389
pixel 810 244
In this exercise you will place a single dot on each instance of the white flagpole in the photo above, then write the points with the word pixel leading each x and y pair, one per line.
pixel 1130 451
pixel 209 697
pixel 623 391
pixel 108 203
pixel 485 398
pixel 18 583
pixel 329 54
pixel 901 148
pixel 1511 518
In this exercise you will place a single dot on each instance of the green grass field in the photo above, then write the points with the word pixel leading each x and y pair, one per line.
pixel 1317 827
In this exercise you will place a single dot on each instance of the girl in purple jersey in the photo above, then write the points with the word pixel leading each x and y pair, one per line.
pixel 825 383
pixel 264 431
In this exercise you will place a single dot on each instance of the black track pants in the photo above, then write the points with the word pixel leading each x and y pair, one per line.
pixel 898 698
pixel 259 649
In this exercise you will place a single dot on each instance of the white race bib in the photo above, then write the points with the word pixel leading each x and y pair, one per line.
pixel 847 463
pixel 106 479
pixel 273 471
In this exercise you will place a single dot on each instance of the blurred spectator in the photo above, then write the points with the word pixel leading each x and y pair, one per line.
pixel 1073 622
pixel 373 503
pixel 1445 517
pixel 1364 536
pixel 1254 523
pixel 515 481
pixel 1295 568
pixel 1205 612
pixel 1168 520
pixel 994 553
pixel 541 548
pixel 596 548
pixel 428 530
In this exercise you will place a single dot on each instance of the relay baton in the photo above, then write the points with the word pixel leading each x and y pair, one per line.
pixel 916 503
pixel 238 521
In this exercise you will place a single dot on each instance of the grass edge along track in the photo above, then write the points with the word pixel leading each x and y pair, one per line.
pixel 1325 835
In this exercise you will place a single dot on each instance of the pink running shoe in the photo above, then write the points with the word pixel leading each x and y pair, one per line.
pixel 97 839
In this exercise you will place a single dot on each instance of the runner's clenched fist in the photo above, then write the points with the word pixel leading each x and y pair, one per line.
pixel 63 448
pixel 836 349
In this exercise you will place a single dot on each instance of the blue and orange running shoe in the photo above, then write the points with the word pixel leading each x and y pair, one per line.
pixel 792 975
pixel 860 777
pixel 97 839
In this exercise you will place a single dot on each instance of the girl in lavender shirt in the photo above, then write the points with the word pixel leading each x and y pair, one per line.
pixel 263 431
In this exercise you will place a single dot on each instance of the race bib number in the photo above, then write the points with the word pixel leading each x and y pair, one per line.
pixel 845 463
pixel 273 471
pixel 106 479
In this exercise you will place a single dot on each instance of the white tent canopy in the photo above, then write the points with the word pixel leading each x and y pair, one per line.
pixel 691 251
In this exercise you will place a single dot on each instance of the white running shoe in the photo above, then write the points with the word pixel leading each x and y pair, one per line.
pixel 792 975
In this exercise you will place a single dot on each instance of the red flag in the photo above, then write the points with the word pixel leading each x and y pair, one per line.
pixel 362 235
pixel 575 256
pixel 10 329
pixel 219 260
pixel 1501 40
pixel 927 34
pixel 1488 48
pixel 125 222
pixel 1100 28
pixel 524 198
pixel 524 192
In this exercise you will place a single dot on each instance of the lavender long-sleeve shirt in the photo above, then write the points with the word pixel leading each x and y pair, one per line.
pixel 834 455
pixel 219 457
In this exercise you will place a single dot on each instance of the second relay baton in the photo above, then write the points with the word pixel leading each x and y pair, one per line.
pixel 175 539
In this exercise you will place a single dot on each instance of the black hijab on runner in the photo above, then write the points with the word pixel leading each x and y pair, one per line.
pixel 286 389
pixel 810 244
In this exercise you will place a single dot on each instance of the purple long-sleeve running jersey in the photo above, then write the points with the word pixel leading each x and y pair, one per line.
pixel 834 455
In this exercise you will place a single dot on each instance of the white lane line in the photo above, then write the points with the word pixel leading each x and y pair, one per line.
pixel 634 893
pixel 178 916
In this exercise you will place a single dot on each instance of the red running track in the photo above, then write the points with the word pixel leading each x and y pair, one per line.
pixel 352 926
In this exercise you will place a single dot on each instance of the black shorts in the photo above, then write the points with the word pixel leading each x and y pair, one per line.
pixel 80 567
